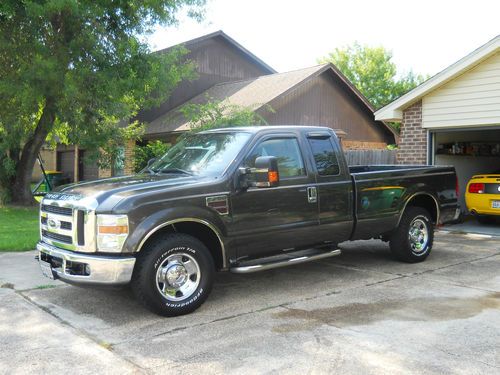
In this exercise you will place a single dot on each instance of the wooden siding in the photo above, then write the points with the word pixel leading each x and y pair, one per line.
pixel 473 98
pixel 323 101
pixel 217 61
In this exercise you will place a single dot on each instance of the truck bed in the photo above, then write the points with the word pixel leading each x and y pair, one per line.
pixel 381 193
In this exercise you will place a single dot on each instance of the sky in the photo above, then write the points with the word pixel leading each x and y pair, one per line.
pixel 424 36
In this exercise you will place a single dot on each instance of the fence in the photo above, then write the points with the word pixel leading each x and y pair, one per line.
pixel 365 157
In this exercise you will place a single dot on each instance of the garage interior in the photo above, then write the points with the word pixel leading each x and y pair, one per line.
pixel 471 152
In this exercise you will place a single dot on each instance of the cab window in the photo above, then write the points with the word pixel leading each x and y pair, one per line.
pixel 325 157
pixel 286 150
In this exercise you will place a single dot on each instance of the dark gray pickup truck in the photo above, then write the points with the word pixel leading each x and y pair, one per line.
pixel 241 200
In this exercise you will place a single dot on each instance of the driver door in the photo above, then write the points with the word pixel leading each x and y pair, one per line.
pixel 274 219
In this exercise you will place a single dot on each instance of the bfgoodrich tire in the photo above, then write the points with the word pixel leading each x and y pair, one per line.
pixel 412 240
pixel 173 274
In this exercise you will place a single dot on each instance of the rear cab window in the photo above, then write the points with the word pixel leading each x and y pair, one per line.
pixel 325 156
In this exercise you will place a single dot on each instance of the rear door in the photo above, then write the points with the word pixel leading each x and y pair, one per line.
pixel 270 220
pixel 334 188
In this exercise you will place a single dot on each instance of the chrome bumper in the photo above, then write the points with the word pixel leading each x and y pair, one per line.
pixel 102 269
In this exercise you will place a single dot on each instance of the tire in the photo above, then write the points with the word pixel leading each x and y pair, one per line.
pixel 173 275
pixel 413 247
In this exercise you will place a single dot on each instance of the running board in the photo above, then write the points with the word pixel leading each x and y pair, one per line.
pixel 283 262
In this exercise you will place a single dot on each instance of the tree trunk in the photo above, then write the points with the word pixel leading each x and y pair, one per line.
pixel 21 191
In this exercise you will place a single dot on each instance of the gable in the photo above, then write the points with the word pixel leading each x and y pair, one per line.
pixel 472 98
pixel 218 59
pixel 394 111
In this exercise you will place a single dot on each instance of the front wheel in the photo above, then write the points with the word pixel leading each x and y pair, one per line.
pixel 412 240
pixel 173 275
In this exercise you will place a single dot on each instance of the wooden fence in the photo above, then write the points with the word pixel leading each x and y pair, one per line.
pixel 366 157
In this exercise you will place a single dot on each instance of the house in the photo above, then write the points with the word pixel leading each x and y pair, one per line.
pixel 310 96
pixel 454 117
pixel 228 72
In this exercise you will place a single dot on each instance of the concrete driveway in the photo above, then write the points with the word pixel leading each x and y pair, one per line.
pixel 360 312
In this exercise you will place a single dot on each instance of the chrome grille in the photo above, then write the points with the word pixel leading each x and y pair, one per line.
pixel 69 223
pixel 66 211
pixel 64 224
pixel 57 236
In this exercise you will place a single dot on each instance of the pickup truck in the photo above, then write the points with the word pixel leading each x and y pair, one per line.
pixel 256 198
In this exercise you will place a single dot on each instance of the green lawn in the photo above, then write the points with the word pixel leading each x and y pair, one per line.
pixel 18 228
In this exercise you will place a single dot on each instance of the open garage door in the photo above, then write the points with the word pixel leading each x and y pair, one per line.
pixel 470 151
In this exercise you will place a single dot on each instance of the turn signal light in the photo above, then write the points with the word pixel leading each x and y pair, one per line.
pixel 273 177
pixel 476 188
pixel 108 229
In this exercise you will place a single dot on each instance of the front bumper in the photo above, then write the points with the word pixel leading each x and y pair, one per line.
pixel 77 268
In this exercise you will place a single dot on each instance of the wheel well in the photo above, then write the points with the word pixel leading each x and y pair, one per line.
pixel 200 231
pixel 427 202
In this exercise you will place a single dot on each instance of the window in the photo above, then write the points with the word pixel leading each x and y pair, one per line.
pixel 286 150
pixel 327 163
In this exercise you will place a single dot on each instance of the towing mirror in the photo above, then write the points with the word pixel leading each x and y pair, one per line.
pixel 266 171
pixel 264 174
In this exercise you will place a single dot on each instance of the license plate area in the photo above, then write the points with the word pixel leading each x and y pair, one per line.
pixel 46 268
pixel 495 204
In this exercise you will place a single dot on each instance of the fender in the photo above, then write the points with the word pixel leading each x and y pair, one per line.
pixel 438 212
pixel 160 219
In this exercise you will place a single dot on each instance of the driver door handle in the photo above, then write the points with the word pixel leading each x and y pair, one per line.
pixel 312 194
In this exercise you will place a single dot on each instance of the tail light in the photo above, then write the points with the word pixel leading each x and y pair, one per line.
pixel 476 188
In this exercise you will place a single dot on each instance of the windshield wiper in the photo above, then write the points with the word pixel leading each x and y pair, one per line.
pixel 174 170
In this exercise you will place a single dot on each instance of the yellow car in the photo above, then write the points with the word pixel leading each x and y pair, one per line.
pixel 483 196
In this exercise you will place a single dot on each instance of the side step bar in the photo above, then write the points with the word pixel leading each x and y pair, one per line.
pixel 284 262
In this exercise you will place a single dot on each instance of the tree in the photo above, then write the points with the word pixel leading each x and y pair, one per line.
pixel 219 114
pixel 77 71
pixel 373 73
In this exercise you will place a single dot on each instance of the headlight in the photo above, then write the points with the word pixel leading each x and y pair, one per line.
pixel 112 231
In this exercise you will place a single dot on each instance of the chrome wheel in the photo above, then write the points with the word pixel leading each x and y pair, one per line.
pixel 178 277
pixel 418 236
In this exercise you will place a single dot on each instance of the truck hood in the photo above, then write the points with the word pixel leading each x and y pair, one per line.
pixel 118 188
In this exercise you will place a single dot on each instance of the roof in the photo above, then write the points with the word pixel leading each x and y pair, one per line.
pixel 254 93
pixel 228 39
pixel 257 129
pixel 394 111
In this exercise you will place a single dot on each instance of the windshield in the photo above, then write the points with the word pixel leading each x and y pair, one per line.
pixel 206 154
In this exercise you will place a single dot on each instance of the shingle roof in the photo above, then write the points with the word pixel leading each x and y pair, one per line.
pixel 253 93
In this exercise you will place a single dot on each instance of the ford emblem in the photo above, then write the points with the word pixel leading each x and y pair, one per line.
pixel 53 223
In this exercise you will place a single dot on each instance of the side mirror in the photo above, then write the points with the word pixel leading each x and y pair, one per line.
pixel 151 161
pixel 266 171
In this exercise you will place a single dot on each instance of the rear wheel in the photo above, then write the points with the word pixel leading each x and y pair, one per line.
pixel 412 241
pixel 173 275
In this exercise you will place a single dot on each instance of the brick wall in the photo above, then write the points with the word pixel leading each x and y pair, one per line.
pixel 129 158
pixel 413 139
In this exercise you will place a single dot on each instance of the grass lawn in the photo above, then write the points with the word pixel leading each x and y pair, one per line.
pixel 18 228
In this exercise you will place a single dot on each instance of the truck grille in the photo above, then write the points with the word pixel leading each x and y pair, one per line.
pixel 57 237
pixel 66 211
pixel 67 222
pixel 64 224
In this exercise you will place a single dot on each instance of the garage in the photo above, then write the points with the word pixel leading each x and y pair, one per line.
pixel 454 117
pixel 471 151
